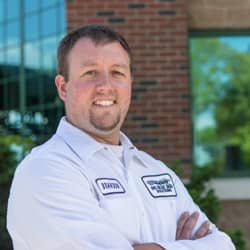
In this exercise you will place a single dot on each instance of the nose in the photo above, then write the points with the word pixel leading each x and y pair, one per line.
pixel 104 82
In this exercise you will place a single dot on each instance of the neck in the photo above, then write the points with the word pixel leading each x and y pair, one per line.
pixel 112 139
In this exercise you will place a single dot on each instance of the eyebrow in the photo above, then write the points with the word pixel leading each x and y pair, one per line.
pixel 125 66
pixel 89 64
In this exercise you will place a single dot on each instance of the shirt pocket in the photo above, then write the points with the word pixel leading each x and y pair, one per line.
pixel 166 209
pixel 121 209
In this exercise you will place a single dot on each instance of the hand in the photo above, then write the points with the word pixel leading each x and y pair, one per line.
pixel 147 246
pixel 186 224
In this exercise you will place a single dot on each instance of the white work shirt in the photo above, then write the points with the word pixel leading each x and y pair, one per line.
pixel 74 193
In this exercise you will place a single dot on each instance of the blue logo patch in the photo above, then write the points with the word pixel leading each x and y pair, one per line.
pixel 159 185
pixel 109 186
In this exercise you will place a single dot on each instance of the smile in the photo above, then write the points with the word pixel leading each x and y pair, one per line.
pixel 104 103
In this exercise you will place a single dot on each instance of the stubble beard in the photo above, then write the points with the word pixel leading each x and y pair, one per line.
pixel 99 123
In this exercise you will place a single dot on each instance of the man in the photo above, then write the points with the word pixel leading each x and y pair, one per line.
pixel 88 187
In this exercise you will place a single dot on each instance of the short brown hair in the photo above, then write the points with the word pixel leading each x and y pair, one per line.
pixel 99 34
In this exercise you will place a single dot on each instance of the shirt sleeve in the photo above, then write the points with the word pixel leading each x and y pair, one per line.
pixel 52 207
pixel 215 240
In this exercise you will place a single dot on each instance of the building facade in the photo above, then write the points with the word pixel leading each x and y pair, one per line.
pixel 160 120
pixel 29 34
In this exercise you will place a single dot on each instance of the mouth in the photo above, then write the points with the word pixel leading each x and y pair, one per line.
pixel 104 103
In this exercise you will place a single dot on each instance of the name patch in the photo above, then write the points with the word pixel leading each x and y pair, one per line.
pixel 109 186
pixel 159 185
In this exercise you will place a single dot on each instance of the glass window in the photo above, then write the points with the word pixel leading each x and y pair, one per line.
pixel 52 117
pixel 2 8
pixel 49 22
pixel 1 56
pixel 13 94
pixel 10 72
pixel 13 33
pixel 44 23
pixel 1 97
pixel 32 90
pixel 1 36
pixel 13 56
pixel 32 55
pixel 13 9
pixel 31 27
pixel 34 121
pixel 49 88
pixel 12 120
pixel 62 17
pixel 49 47
pixel 31 5
pixel 221 100
pixel 4 93
pixel 48 3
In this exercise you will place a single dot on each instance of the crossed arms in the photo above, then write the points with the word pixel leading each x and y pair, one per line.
pixel 185 226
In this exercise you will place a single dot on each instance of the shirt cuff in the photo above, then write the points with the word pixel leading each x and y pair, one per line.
pixel 172 245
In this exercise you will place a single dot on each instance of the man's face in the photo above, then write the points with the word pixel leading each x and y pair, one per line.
pixel 98 92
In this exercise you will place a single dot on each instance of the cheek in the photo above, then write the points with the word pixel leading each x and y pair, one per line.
pixel 126 94
pixel 79 93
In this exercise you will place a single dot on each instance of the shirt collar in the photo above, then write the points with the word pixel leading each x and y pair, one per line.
pixel 85 146
pixel 80 142
pixel 144 158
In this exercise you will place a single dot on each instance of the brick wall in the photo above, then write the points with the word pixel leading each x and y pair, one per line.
pixel 235 214
pixel 159 117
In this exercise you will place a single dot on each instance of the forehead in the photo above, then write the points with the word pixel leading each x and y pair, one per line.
pixel 85 49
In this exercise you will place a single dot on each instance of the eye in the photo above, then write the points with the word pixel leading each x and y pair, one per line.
pixel 117 73
pixel 90 73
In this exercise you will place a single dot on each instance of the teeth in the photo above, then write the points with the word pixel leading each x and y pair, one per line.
pixel 104 103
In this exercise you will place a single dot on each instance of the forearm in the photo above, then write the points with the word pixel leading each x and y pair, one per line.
pixel 148 246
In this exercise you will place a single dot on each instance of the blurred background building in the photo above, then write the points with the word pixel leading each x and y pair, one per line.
pixel 191 93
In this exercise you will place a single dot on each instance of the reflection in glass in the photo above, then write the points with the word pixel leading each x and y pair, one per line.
pixel 13 33
pixel 9 72
pixel 31 27
pixel 50 92
pixel 1 56
pixel 48 3
pixel 14 118
pixel 32 89
pixel 13 56
pixel 1 36
pixel 1 11
pixel 52 116
pixel 221 100
pixel 13 8
pixel 13 94
pixel 49 47
pixel 49 22
pixel 1 96
pixel 62 17
pixel 44 24
pixel 31 5
pixel 32 55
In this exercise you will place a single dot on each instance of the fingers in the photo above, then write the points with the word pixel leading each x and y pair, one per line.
pixel 203 231
pixel 186 225
pixel 181 222
pixel 189 226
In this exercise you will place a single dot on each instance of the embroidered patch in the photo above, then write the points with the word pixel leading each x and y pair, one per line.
pixel 159 185
pixel 109 186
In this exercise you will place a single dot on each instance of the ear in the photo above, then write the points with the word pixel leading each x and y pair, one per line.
pixel 61 86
